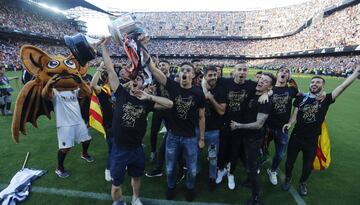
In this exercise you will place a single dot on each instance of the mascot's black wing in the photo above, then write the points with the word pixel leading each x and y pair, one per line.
pixel 29 106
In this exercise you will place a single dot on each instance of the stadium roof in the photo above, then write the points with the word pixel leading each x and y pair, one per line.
pixel 68 4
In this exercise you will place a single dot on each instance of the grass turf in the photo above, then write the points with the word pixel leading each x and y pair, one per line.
pixel 337 185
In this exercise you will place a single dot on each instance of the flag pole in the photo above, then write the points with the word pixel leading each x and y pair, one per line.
pixel 26 159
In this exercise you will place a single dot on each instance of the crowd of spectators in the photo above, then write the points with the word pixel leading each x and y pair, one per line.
pixel 337 30
pixel 33 19
pixel 268 22
pixel 10 52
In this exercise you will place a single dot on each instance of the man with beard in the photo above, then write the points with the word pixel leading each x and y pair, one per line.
pixel 158 117
pixel 280 115
pixel 187 113
pixel 128 129
pixel 198 72
pixel 239 91
pixel 214 110
pixel 252 124
pixel 309 113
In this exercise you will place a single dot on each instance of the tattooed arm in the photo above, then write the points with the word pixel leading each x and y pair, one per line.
pixel 260 121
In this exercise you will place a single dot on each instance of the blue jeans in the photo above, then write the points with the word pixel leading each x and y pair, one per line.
pixel 280 140
pixel 212 141
pixel 189 148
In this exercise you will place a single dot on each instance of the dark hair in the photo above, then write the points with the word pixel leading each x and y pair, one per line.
pixel 319 77
pixel 187 63
pixel 209 68
pixel 195 60
pixel 164 61
pixel 270 75
pixel 259 72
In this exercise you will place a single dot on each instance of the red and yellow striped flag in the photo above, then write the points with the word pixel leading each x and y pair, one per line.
pixel 322 159
pixel 95 115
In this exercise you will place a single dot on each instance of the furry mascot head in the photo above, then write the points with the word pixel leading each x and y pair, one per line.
pixel 30 104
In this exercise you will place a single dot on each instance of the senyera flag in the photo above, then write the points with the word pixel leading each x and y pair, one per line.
pixel 322 159
pixel 95 113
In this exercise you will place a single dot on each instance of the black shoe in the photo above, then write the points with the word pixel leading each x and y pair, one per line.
pixel 303 189
pixel 154 173
pixel 287 184
pixel 170 194
pixel 212 185
pixel 190 195
pixel 246 183
pixel 254 201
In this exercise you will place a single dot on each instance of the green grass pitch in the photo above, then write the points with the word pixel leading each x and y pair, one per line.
pixel 339 184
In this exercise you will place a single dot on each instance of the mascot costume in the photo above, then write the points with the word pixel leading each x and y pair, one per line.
pixel 57 86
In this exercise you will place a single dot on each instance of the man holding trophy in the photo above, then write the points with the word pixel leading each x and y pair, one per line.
pixel 132 105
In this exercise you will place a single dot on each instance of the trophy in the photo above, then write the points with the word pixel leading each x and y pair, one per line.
pixel 128 33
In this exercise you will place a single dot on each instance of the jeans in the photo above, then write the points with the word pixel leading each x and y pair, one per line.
pixel 280 140
pixel 189 147
pixel 212 140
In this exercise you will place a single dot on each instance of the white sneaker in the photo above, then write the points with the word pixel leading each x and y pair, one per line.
pixel 136 202
pixel 231 182
pixel 272 176
pixel 107 175
pixel 220 174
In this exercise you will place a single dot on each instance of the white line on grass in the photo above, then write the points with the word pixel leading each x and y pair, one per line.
pixel 107 197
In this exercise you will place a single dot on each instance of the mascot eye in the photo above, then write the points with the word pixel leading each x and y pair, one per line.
pixel 53 64
pixel 70 64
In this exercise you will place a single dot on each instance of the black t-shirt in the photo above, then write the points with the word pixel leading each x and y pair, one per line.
pixel 253 107
pixel 281 106
pixel 213 120
pixel 130 119
pixel 237 98
pixel 107 108
pixel 184 115
pixel 311 114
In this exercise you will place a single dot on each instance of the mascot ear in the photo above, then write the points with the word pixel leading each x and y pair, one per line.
pixel 33 58
pixel 82 70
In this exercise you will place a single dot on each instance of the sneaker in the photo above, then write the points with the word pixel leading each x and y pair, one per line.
pixel 303 189
pixel 152 156
pixel 154 173
pixel 170 193
pixel 107 175
pixel 136 202
pixel 212 185
pixel 87 158
pixel 62 173
pixel 246 183
pixel 272 177
pixel 220 174
pixel 190 195
pixel 231 181
pixel 287 184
